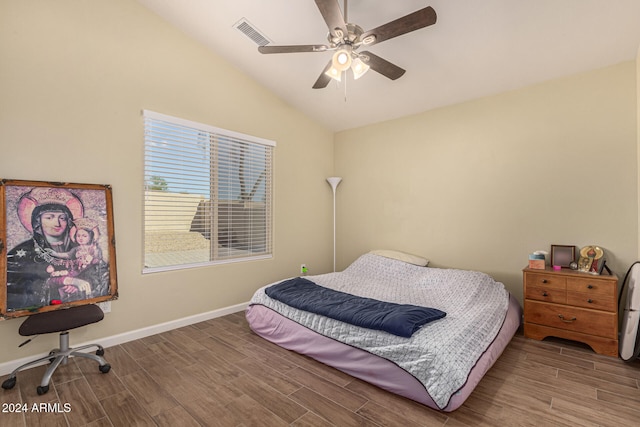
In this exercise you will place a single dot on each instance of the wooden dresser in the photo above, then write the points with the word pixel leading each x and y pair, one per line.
pixel 572 305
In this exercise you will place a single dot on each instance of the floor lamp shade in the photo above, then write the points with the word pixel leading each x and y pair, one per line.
pixel 334 181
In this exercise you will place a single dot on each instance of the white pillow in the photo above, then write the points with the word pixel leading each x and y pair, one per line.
pixel 401 256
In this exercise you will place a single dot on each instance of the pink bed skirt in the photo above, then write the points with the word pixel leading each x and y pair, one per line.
pixel 368 367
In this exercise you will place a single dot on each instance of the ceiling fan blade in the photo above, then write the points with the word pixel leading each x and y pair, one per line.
pixel 411 22
pixel 324 79
pixel 293 49
pixel 382 66
pixel 330 10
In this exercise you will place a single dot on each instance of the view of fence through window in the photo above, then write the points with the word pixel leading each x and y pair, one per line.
pixel 207 194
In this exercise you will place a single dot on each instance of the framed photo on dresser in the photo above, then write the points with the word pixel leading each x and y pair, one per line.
pixel 562 255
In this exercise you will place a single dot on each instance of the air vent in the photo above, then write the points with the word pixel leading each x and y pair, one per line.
pixel 247 28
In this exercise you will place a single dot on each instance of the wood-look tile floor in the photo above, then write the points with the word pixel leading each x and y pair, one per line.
pixel 218 373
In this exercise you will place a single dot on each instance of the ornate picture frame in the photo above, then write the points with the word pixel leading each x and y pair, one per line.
pixel 57 246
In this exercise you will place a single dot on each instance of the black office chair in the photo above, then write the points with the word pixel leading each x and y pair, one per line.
pixel 60 321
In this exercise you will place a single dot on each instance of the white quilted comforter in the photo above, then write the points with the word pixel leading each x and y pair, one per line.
pixel 442 353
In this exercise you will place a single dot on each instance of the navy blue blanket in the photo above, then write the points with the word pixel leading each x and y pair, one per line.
pixel 398 319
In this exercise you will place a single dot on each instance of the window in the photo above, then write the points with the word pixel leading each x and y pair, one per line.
pixel 207 194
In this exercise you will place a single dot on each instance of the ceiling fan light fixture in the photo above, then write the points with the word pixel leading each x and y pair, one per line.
pixel 341 59
pixel 334 73
pixel 359 68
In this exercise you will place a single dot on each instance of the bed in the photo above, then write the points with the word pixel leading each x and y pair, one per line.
pixel 438 365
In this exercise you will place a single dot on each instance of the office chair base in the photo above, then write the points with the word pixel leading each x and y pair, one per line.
pixel 57 357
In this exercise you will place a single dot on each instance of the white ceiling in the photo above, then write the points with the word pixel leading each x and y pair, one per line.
pixel 476 48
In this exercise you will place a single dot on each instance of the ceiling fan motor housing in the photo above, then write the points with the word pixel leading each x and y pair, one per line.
pixel 352 38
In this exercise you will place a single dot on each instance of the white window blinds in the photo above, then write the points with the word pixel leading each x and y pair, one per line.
pixel 207 194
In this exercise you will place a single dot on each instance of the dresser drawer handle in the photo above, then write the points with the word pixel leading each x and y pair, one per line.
pixel 566 320
pixel 545 294
pixel 589 300
pixel 545 281
pixel 589 286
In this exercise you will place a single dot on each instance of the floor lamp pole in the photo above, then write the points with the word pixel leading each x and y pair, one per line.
pixel 334 181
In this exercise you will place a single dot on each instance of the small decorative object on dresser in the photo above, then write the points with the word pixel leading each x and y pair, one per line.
pixel 536 260
pixel 589 258
pixel 572 305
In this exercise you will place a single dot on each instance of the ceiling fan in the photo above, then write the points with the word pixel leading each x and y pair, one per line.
pixel 346 38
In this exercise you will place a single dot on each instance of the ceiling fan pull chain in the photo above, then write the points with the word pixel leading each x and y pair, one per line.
pixel 345 85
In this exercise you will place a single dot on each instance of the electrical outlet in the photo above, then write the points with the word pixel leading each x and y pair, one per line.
pixel 105 306
pixel 303 269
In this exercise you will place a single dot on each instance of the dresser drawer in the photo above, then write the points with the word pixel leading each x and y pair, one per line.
pixel 576 319
pixel 544 293
pixel 590 300
pixel 591 286
pixel 548 281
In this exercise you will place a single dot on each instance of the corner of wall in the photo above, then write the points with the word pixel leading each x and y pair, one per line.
pixel 638 137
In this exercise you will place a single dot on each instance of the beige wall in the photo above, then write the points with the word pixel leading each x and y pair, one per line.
pixel 482 184
pixel 74 77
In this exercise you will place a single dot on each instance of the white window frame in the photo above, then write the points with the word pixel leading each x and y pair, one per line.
pixel 189 182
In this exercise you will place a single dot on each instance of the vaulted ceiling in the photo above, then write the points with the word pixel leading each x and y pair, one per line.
pixel 475 49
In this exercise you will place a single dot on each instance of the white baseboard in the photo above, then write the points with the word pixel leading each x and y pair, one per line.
pixel 8 367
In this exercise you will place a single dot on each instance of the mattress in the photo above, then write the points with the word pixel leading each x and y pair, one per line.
pixel 439 365
pixel 368 367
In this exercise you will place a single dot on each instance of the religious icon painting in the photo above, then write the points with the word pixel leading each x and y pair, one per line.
pixel 57 246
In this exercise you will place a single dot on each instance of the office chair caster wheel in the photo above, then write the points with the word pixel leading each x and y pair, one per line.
pixel 9 383
pixel 100 352
pixel 42 389
pixel 105 368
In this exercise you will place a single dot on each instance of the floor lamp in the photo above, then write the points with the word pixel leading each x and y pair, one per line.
pixel 334 181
